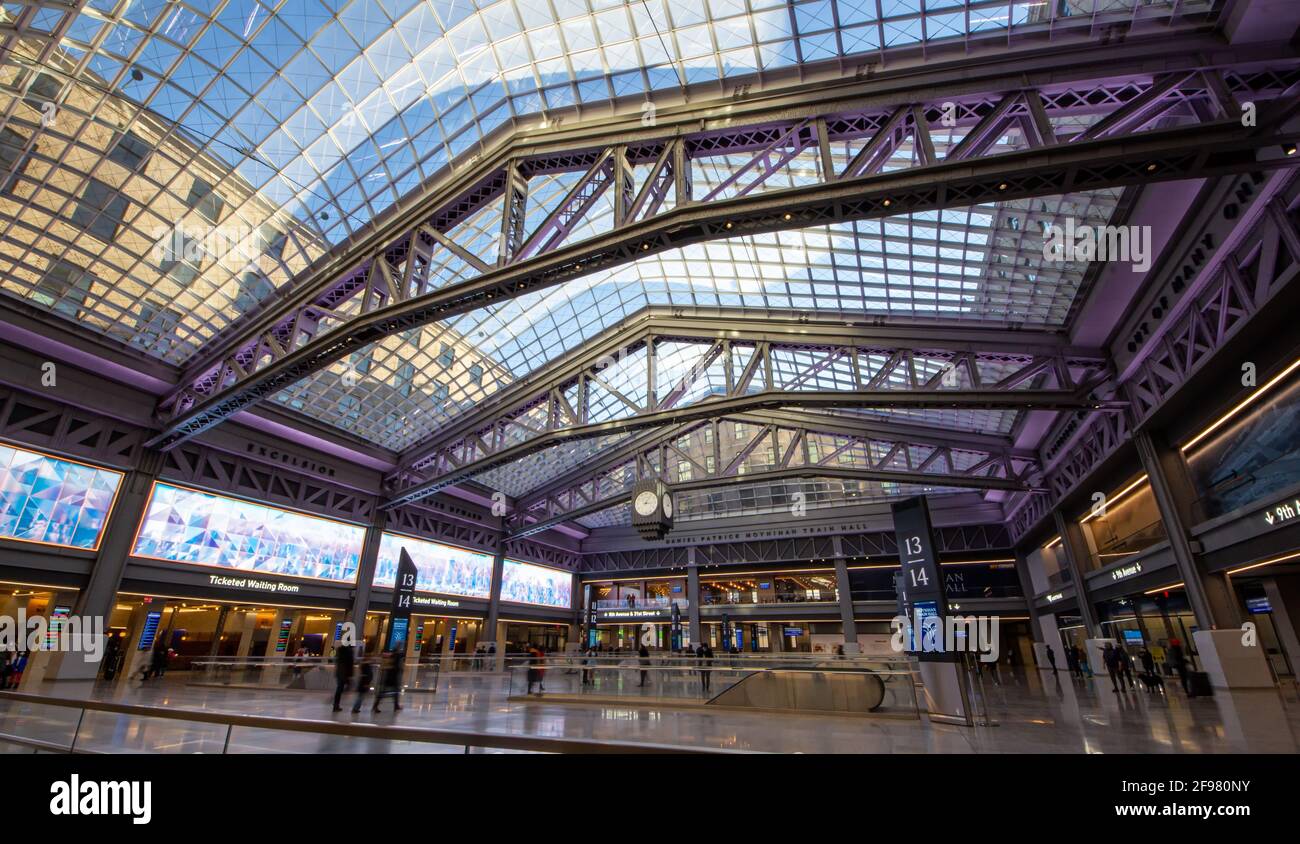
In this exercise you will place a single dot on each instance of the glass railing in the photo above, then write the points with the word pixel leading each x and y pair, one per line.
pixel 1059 579
pixel 670 679
pixel 655 603
pixel 41 724
pixel 317 673
pixel 1114 548
pixel 765 597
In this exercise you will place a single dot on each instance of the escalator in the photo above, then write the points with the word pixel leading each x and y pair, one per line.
pixel 820 688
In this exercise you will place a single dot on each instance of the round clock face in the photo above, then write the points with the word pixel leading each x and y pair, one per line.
pixel 645 503
pixel 668 504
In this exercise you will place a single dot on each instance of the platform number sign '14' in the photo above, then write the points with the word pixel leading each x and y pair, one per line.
pixel 403 593
pixel 920 580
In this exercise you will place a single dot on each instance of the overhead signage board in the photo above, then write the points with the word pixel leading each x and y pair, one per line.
pixel 633 615
pixel 1283 512
pixel 254 583
pixel 1124 572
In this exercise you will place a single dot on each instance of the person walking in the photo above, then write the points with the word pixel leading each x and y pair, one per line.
pixel 1148 662
pixel 157 662
pixel 345 662
pixel 1110 659
pixel 1072 661
pixel 535 660
pixel 1051 658
pixel 1125 667
pixel 704 654
pixel 391 680
pixel 1178 661
pixel 588 667
pixel 643 657
pixel 364 682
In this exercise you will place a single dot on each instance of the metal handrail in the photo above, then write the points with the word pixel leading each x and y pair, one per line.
pixel 465 738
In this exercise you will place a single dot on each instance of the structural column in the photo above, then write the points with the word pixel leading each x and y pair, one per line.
pixel 1284 623
pixel 845 590
pixel 693 597
pixel 1076 550
pixel 578 625
pixel 1027 589
pixel 491 633
pixel 98 597
pixel 1210 595
pixel 366 575
pixel 100 594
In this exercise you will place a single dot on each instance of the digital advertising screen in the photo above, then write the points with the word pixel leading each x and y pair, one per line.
pixel 52 501
pixel 187 526
pixel 525 583
pixel 439 568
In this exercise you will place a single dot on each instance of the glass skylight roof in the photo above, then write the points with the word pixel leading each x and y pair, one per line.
pixel 206 151
pixel 982 265
pixel 298 121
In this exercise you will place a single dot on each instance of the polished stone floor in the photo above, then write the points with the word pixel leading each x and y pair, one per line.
pixel 1033 713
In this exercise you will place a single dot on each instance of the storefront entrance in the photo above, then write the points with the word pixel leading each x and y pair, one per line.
pixel 198 630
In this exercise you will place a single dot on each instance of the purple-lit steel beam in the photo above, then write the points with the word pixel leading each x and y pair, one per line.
pixel 291 350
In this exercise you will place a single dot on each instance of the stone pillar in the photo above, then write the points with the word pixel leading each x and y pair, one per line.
pixel 1072 543
pixel 845 590
pixel 1026 587
pixel 1171 486
pixel 247 632
pixel 219 631
pixel 693 598
pixel 135 659
pixel 1284 622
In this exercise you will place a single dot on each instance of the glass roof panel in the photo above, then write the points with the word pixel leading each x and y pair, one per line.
pixel 980 265
pixel 270 130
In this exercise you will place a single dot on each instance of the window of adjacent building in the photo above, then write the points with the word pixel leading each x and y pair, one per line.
pixel 402 378
pixel 205 201
pixel 253 288
pixel 13 158
pixel 44 89
pixel 130 151
pixel 100 210
pixel 155 325
pixel 63 288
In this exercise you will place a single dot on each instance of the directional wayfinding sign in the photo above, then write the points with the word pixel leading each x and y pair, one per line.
pixel 925 600
pixel 922 593
pixel 403 593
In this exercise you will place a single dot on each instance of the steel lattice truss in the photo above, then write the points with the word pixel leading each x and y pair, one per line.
pixel 669 371
pixel 1076 135
pixel 1233 285
pixel 766 447
pixel 948 540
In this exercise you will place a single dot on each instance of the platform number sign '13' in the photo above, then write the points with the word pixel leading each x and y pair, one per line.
pixel 920 580
pixel 403 593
